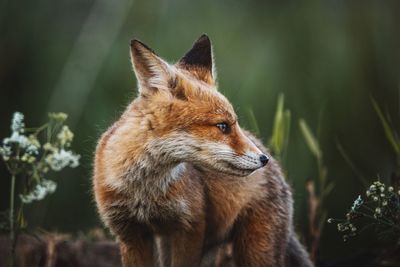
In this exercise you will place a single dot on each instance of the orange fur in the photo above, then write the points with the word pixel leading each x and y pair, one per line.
pixel 173 184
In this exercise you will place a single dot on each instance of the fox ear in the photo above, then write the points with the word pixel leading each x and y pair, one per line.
pixel 199 60
pixel 152 73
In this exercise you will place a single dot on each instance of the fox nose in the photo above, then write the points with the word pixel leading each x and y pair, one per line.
pixel 264 159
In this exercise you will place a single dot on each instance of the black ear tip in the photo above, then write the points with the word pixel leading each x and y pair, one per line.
pixel 139 45
pixel 200 55
pixel 136 42
pixel 203 39
pixel 204 36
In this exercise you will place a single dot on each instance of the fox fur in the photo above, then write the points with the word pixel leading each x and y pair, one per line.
pixel 176 179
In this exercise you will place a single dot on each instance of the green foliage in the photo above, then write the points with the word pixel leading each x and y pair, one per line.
pixel 29 154
pixel 390 132
pixel 279 140
pixel 314 147
pixel 349 161
pixel 379 208
pixel 253 122
pixel 316 198
pixel 311 140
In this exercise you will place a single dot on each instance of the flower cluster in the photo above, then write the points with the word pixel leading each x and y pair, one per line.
pixel 42 189
pixel 65 136
pixel 380 208
pixel 17 124
pixel 18 146
pixel 60 159
pixel 25 155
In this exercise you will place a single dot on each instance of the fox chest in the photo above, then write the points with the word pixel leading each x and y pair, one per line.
pixel 227 201
pixel 221 218
pixel 147 206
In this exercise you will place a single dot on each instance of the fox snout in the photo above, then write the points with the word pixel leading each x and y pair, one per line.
pixel 242 163
pixel 251 160
pixel 264 159
pixel 252 151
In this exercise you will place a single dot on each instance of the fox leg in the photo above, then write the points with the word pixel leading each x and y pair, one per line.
pixel 212 257
pixel 187 246
pixel 218 256
pixel 137 252
pixel 260 237
pixel 296 255
pixel 163 248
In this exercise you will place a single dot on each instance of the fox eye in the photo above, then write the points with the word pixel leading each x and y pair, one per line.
pixel 224 127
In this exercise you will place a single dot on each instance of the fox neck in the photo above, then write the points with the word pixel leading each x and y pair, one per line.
pixel 146 184
pixel 154 174
pixel 144 161
pixel 149 173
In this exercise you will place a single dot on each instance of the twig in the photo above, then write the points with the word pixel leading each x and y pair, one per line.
pixel 11 220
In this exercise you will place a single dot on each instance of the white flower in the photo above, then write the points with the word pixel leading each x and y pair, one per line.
pixel 28 158
pixel 357 203
pixel 61 159
pixel 45 187
pixel 34 141
pixel 32 150
pixel 378 210
pixel 33 147
pixel 49 147
pixel 17 138
pixel 65 136
pixel 17 123
pixel 60 116
pixel 28 147
pixel 390 188
pixel 5 152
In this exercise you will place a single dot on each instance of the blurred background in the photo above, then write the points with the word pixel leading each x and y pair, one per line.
pixel 327 57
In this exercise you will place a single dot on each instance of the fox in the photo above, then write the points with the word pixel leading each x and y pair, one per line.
pixel 176 180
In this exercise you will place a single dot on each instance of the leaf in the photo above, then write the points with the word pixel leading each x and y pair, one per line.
pixel 277 138
pixel 323 173
pixel 389 132
pixel 287 120
pixel 253 122
pixel 346 158
pixel 328 189
pixel 281 128
pixel 310 139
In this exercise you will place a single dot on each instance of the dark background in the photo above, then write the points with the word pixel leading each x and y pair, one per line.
pixel 327 57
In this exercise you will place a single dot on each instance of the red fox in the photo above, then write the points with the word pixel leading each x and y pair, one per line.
pixel 176 177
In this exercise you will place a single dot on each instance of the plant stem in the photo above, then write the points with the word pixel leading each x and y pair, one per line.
pixel 11 220
pixel 387 223
pixel 41 128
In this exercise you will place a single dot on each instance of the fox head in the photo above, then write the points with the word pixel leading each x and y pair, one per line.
pixel 183 117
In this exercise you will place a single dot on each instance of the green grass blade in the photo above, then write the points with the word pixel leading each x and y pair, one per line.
pixel 346 158
pixel 287 121
pixel 389 132
pixel 253 122
pixel 276 139
pixel 310 139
